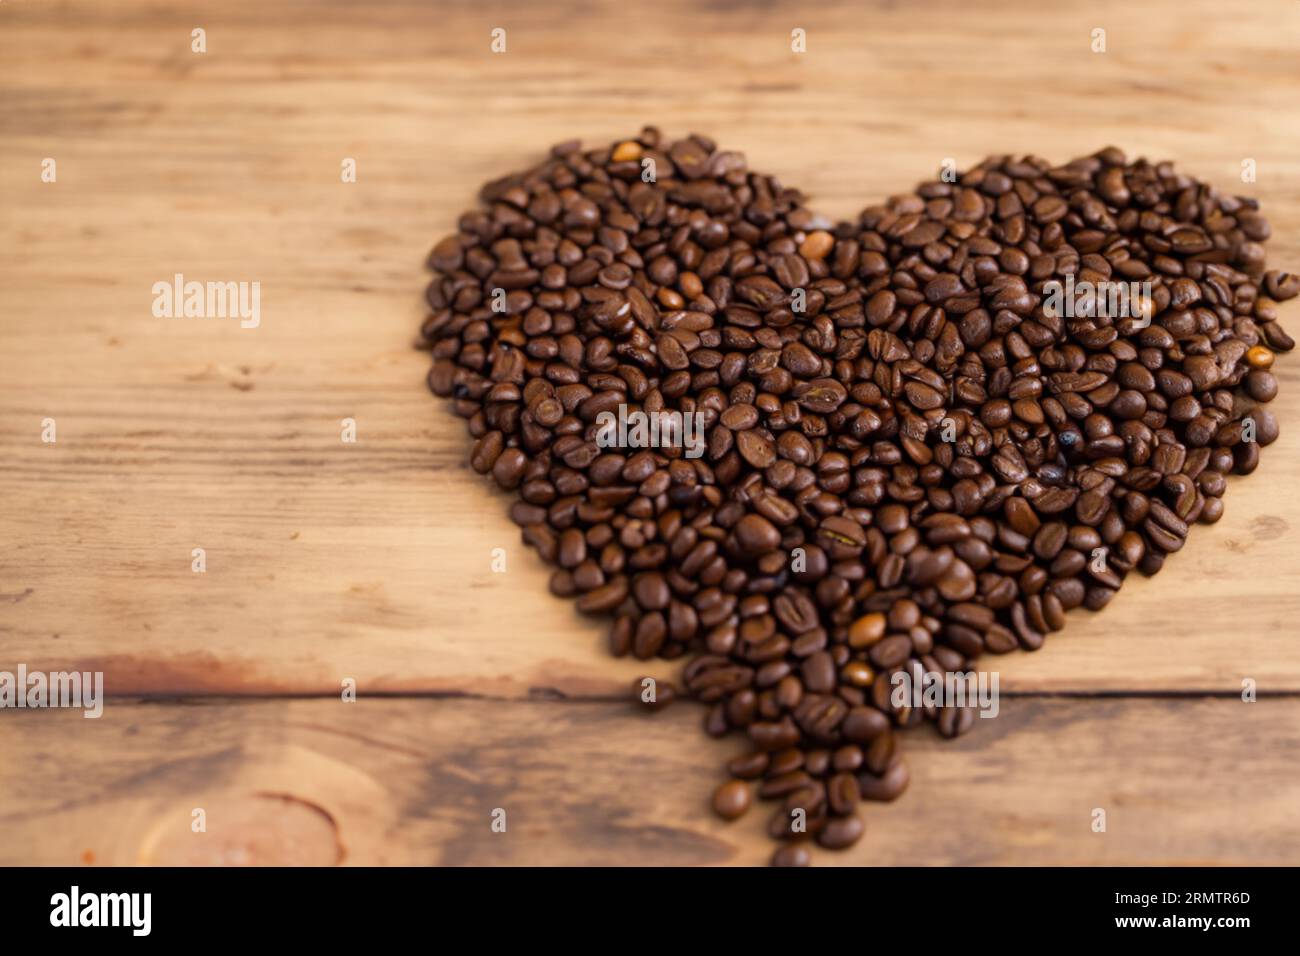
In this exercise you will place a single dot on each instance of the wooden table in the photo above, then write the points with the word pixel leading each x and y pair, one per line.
pixel 328 560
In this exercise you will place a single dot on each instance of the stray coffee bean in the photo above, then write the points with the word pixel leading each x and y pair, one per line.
pixel 812 458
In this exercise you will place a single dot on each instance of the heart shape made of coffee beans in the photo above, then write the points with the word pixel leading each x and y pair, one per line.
pixel 832 466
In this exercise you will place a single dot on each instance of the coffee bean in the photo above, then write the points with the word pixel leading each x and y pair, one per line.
pixel 841 537
pixel 1259 357
pixel 739 417
pixel 755 448
pixel 1282 285
pixel 665 694
pixel 604 598
pixel 841 832
pixel 1276 337
pixel 731 800
pixel 793 854
pixel 1261 385
pixel 842 794
pixel 651 591
pixel 867 630
pixel 1202 370
pixel 754 534
pixel 774 735
pixel 818 672
pixel 914 468
pixel 892 651
pixel 884 786
pixel 750 766
pixel 955 721
pixel 1266 427
pixel 863 724
pixel 923 397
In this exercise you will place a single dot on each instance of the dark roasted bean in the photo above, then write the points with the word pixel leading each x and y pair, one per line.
pixel 792 854
pixel 808 459
pixel 841 832
pixel 884 786
pixel 731 800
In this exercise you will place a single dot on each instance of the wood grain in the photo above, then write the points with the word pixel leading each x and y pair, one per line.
pixel 371 560
pixel 415 782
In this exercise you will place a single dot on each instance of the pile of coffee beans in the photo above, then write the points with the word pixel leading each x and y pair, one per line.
pixel 927 435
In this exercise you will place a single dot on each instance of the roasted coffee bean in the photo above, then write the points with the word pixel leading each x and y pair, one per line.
pixel 842 794
pixel 792 854
pixel 807 457
pixel 863 724
pixel 754 535
pixel 841 832
pixel 731 800
pixel 664 694
pixel 892 651
pixel 1261 385
pixel 750 766
pixel 884 786
pixel 604 598
pixel 954 721
pixel 867 630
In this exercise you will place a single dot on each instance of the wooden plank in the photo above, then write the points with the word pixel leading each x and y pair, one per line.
pixel 416 782
pixel 371 560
